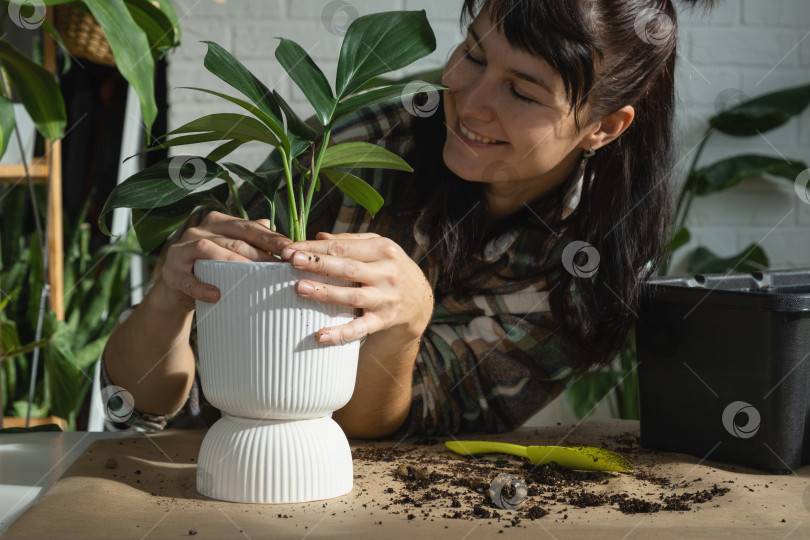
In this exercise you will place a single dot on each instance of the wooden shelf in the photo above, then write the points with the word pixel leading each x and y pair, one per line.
pixel 47 170
pixel 12 174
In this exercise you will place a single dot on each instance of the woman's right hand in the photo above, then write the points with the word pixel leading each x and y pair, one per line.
pixel 219 237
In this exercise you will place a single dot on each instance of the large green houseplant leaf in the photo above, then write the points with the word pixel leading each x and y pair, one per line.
pixel 138 31
pixel 762 114
pixel 37 89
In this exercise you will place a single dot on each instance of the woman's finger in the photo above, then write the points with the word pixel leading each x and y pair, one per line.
pixel 353 331
pixel 349 269
pixel 181 278
pixel 355 236
pixel 360 249
pixel 253 232
pixel 243 248
pixel 352 297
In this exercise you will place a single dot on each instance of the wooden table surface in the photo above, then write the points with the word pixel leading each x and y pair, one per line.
pixel 144 487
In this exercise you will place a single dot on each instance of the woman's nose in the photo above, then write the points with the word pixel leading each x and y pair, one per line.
pixel 476 99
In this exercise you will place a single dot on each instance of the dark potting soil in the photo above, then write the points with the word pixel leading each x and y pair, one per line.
pixel 423 481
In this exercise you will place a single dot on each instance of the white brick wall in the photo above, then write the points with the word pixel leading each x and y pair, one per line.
pixel 754 46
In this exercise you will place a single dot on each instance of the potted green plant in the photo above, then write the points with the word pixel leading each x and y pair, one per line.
pixel 258 359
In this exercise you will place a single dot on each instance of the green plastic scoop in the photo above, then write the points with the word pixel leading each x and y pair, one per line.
pixel 586 458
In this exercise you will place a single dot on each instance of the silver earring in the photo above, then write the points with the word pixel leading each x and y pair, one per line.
pixel 590 153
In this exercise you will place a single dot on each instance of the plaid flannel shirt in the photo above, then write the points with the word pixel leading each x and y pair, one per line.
pixel 488 360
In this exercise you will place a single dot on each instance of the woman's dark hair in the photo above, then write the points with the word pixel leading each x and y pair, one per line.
pixel 609 53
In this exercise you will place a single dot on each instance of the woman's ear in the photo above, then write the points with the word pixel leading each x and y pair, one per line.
pixel 610 128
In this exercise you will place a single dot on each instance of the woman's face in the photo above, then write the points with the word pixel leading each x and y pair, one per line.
pixel 506 116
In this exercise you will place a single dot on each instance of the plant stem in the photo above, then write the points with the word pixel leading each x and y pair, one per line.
pixel 291 210
pixel 688 194
pixel 688 187
pixel 235 192
pixel 316 168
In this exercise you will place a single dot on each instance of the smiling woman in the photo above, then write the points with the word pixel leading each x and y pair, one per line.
pixel 509 261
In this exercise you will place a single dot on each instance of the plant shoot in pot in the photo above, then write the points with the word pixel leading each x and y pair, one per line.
pixel 163 195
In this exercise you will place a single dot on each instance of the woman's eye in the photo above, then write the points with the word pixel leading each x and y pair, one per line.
pixel 519 96
pixel 469 57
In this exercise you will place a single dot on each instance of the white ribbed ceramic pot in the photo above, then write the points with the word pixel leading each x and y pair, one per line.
pixel 261 365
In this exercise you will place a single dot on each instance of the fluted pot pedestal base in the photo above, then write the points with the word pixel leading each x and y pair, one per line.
pixel 274 461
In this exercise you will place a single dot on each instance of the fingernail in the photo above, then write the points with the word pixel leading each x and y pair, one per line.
pixel 300 259
pixel 286 253
pixel 325 338
pixel 305 287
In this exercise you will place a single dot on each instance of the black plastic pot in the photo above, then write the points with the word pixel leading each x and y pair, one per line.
pixel 724 372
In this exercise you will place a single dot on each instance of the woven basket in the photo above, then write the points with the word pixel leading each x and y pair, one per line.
pixel 82 35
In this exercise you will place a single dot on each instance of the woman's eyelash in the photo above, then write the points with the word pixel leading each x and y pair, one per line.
pixel 468 56
pixel 521 97
pixel 475 61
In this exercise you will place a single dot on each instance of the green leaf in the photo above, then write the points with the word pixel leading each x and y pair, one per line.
pixel 7 297
pixel 762 114
pixel 229 126
pixel 6 123
pixel 751 259
pixel 156 24
pixel 379 43
pixel 184 140
pixel 152 231
pixel 362 155
pixel 378 95
pixel 731 171
pixel 9 338
pixel 217 193
pixel 130 49
pixel 301 134
pixel 431 74
pixel 225 149
pixel 679 239
pixel 61 375
pixel 162 184
pixel 153 227
pixel 165 6
pixel 20 408
pixel 267 184
pixel 309 78
pixel 358 190
pixel 91 352
pixel 225 66
pixel 66 56
pixel 272 122
pixel 37 90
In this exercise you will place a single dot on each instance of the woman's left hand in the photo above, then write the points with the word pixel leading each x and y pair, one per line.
pixel 394 295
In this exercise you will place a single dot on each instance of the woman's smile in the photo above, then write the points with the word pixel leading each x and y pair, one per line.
pixel 473 138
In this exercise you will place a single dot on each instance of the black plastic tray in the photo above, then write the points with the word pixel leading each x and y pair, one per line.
pixel 717 351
